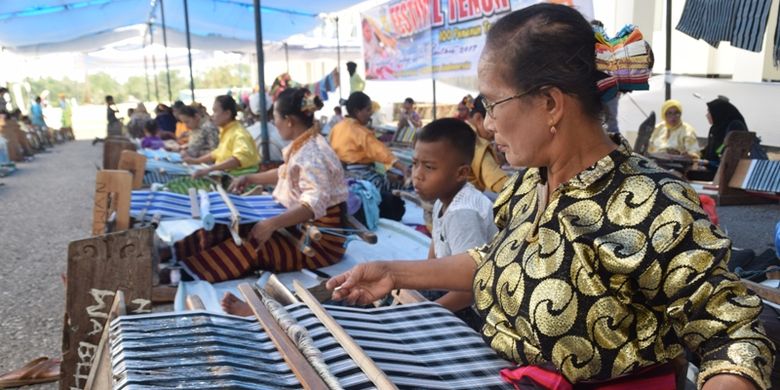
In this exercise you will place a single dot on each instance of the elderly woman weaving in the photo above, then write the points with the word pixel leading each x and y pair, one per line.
pixel 605 266
pixel 310 184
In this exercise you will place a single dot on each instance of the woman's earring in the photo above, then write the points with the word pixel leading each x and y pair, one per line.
pixel 553 130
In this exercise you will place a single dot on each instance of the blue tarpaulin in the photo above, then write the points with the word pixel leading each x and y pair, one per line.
pixel 37 25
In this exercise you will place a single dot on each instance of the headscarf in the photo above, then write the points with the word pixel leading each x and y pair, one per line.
pixel 666 106
pixel 725 118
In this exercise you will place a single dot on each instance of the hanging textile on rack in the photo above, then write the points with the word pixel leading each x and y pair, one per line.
pixel 742 23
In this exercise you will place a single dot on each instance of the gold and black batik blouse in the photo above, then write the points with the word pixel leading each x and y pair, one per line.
pixel 622 269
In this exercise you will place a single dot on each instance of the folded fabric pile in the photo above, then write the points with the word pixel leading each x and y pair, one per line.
pixel 626 59
pixel 321 88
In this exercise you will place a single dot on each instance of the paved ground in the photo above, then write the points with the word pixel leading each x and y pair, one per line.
pixel 47 203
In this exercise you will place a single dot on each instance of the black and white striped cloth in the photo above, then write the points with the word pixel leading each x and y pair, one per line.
pixel 419 346
pixel 763 176
pixel 742 23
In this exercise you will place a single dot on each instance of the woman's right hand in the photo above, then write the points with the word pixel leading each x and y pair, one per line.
pixel 239 185
pixel 363 284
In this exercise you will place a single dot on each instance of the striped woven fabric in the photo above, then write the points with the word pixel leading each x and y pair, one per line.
pixel 160 154
pixel 419 346
pixel 763 176
pixel 145 204
pixel 742 23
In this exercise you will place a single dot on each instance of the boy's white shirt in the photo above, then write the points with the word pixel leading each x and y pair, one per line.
pixel 467 223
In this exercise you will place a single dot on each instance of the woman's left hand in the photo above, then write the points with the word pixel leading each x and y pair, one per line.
pixel 262 231
pixel 200 173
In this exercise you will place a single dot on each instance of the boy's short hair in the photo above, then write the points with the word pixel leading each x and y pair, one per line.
pixel 409 100
pixel 454 131
pixel 151 126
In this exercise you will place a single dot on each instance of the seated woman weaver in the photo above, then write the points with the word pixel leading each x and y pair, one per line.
pixel 310 184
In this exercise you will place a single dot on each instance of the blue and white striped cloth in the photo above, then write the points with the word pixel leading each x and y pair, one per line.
pixel 160 154
pixel 742 23
pixel 418 346
pixel 145 204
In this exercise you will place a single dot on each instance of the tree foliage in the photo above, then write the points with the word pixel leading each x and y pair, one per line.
pixel 98 85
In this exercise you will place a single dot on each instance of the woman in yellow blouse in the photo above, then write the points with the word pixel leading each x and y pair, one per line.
pixel 236 152
pixel 486 171
pixel 605 266
pixel 358 148
pixel 673 135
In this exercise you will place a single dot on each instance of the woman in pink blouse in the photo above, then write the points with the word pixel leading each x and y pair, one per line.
pixel 310 184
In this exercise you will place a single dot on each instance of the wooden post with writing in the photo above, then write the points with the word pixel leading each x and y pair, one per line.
pixel 135 163
pixel 97 268
pixel 118 183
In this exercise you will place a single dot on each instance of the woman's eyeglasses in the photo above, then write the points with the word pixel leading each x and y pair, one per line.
pixel 489 107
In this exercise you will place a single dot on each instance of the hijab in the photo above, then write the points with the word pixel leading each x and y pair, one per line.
pixel 725 118
pixel 671 103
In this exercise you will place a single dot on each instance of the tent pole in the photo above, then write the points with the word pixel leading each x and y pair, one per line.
pixel 433 79
pixel 189 51
pixel 287 57
pixel 146 71
pixel 668 73
pixel 165 43
pixel 154 64
pixel 261 81
pixel 338 57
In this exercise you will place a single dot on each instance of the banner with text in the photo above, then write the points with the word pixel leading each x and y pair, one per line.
pixel 415 39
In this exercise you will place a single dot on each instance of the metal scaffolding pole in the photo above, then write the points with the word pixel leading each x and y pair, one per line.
pixel 189 51
pixel 165 43
pixel 154 64
pixel 261 81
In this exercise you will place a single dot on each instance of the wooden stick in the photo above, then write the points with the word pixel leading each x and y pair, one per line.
pixel 312 231
pixel 278 291
pixel 404 296
pixel 300 243
pixel 235 218
pixel 193 302
pixel 100 376
pixel 301 367
pixel 363 361
pixel 194 203
pixel 363 232
pixel 765 292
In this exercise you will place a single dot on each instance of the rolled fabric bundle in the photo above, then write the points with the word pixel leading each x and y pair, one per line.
pixel 205 210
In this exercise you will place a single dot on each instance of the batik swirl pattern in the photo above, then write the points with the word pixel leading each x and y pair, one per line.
pixel 621 270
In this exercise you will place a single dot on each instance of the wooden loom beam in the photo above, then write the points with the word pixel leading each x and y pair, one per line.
pixel 374 373
pixel 135 163
pixel 109 182
pixel 301 367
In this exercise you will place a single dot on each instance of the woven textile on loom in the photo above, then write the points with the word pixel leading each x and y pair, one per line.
pixel 418 346
pixel 626 59
pixel 145 204
pixel 159 154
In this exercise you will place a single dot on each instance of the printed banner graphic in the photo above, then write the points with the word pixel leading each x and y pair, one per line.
pixel 415 39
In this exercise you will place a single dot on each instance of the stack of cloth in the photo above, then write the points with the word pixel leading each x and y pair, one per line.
pixel 626 59
pixel 320 88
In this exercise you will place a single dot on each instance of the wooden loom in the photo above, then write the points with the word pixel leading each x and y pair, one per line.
pixel 300 366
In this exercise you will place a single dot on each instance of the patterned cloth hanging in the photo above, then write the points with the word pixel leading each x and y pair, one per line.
pixel 742 23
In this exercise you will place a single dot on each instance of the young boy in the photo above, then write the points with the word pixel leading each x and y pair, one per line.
pixel 462 216
pixel 151 140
